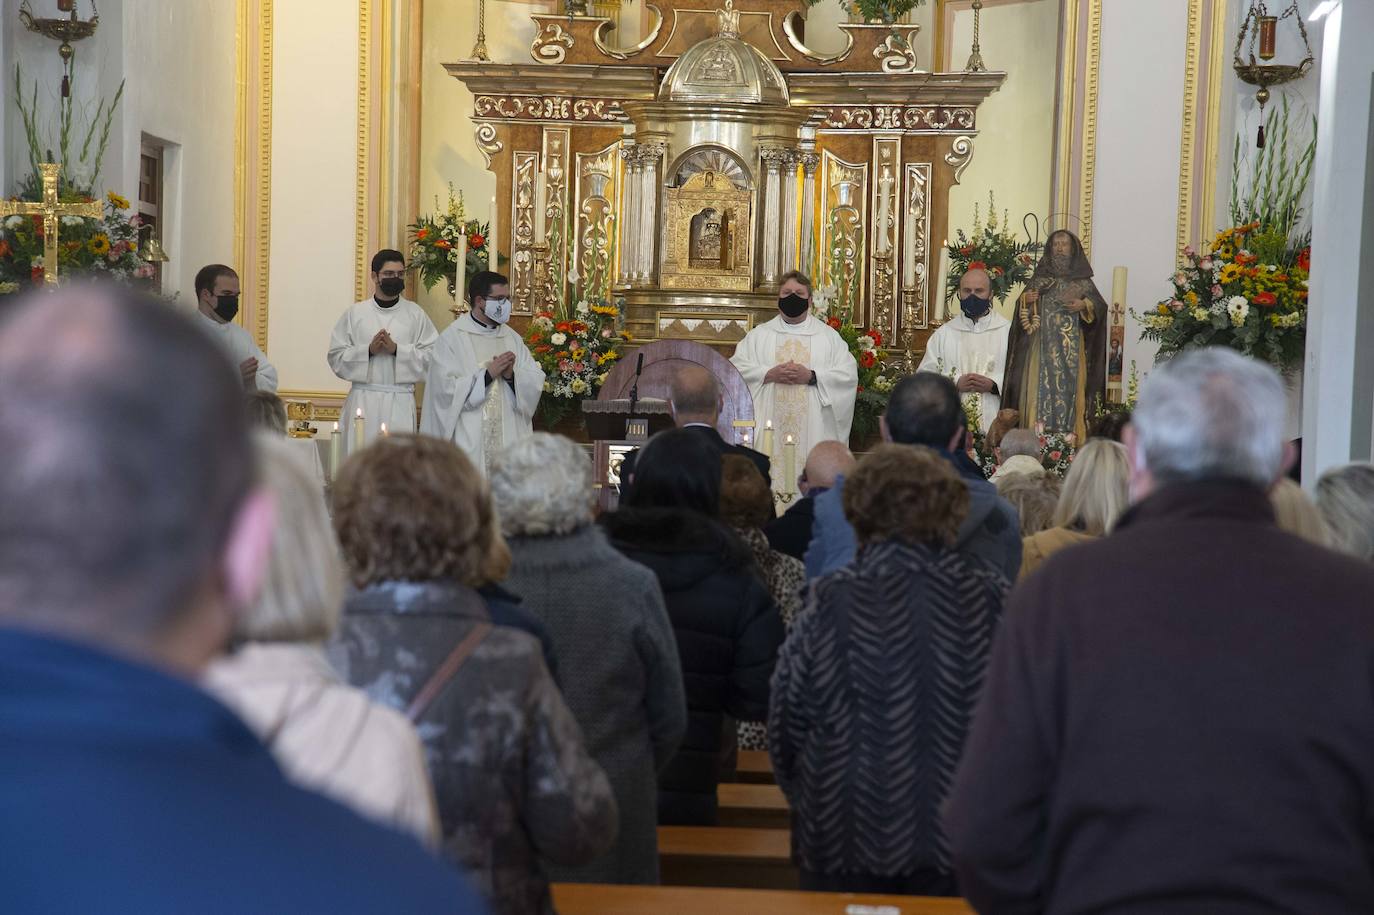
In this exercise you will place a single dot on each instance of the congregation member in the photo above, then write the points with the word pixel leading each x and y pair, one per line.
pixel 1110 425
pixel 746 504
pixel 1034 497
pixel 800 373
pixel 1296 513
pixel 1094 497
pixel 924 409
pixel 217 304
pixel 971 347
pixel 790 532
pixel 606 618
pixel 483 385
pixel 695 402
pixel 382 347
pixel 1195 737
pixel 325 734
pixel 875 686
pixel 1018 453
pixel 514 783
pixel 724 622
pixel 266 412
pixel 1345 497
pixel 124 786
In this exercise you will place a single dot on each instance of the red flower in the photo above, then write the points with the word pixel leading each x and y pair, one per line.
pixel 861 387
pixel 38 226
pixel 563 326
pixel 877 337
pixel 578 327
pixel 833 322
pixel 1056 455
pixel 977 265
pixel 5 249
pixel 443 243
pixel 422 234
pixel 997 271
pixel 1305 258
pixel 867 359
pixel 543 348
pixel 1265 298
pixel 476 240
pixel 966 250
pixel 36 274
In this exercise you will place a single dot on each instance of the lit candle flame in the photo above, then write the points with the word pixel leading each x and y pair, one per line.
pixel 360 413
pixel 768 424
pixel 384 432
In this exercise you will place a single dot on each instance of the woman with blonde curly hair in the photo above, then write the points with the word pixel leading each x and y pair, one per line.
pixel 876 684
pixel 514 783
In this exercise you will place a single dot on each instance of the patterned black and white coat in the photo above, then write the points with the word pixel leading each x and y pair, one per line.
pixel 872 698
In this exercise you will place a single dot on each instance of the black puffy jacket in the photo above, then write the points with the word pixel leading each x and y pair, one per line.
pixel 728 632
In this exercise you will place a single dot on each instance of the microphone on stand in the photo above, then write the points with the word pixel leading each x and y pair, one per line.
pixel 634 389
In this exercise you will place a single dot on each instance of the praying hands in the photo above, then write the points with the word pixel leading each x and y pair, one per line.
pixel 788 373
pixel 382 343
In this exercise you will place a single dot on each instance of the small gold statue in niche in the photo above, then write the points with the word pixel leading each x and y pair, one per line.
pixel 709 240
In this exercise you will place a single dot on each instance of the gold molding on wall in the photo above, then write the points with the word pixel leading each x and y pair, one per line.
pixel 360 233
pixel 1203 82
pixel 1075 154
pixel 253 161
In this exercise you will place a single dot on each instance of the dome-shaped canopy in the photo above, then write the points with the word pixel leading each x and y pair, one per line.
pixel 724 68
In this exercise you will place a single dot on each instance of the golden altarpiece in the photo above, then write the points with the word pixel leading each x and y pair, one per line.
pixel 690 171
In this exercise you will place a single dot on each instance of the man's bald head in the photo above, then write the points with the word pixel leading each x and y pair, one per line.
pixel 695 396
pixel 827 461
pixel 975 282
pixel 126 458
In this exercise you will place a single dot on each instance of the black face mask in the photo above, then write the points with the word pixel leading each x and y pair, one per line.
pixel 975 307
pixel 391 286
pixel 793 305
pixel 226 306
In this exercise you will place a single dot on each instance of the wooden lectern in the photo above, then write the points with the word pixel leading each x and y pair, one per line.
pixel 609 417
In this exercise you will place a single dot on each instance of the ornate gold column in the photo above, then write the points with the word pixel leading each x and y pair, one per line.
pixel 773 159
pixel 809 161
pixel 631 232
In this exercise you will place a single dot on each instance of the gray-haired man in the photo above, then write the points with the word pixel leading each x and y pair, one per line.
pixel 1178 718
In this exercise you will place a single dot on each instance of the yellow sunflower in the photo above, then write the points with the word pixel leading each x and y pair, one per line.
pixel 118 202
pixel 99 244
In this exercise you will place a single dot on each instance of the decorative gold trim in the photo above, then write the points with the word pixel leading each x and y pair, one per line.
pixel 364 147
pixel 599 37
pixel 1202 93
pixel 253 160
pixel 1068 103
pixel 790 30
pixel 1089 174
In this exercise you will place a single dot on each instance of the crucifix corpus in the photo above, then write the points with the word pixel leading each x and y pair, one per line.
pixel 52 212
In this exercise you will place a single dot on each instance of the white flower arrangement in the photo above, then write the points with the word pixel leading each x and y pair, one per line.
pixel 558 339
pixel 1239 309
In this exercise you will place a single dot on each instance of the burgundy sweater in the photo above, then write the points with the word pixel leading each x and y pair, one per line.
pixel 1177 718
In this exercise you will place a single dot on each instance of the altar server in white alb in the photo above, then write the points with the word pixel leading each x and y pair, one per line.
pixel 382 345
pixel 217 298
pixel 972 348
pixel 483 385
pixel 801 375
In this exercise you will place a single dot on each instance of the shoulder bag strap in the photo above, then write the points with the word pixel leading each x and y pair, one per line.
pixel 461 652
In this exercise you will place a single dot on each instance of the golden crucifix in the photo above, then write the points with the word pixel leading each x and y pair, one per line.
pixel 52 212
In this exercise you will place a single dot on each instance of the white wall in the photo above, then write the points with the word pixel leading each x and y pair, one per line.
pixel 1339 379
pixel 1014 152
pixel 1139 134
pixel 180 90
pixel 314 192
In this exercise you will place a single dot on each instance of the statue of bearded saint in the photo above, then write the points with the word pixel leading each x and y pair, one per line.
pixel 1057 345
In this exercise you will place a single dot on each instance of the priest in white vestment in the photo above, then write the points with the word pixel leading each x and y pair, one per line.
pixel 972 348
pixel 483 385
pixel 801 375
pixel 217 301
pixel 382 345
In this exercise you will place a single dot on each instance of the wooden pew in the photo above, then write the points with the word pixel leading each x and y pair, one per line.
pixel 754 767
pixel 759 806
pixel 597 899
pixel 726 856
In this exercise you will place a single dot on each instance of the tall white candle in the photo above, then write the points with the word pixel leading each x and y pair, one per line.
pixel 335 443
pixel 789 462
pixel 492 236
pixel 766 441
pixel 882 244
pixel 1119 287
pixel 541 205
pixel 358 430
